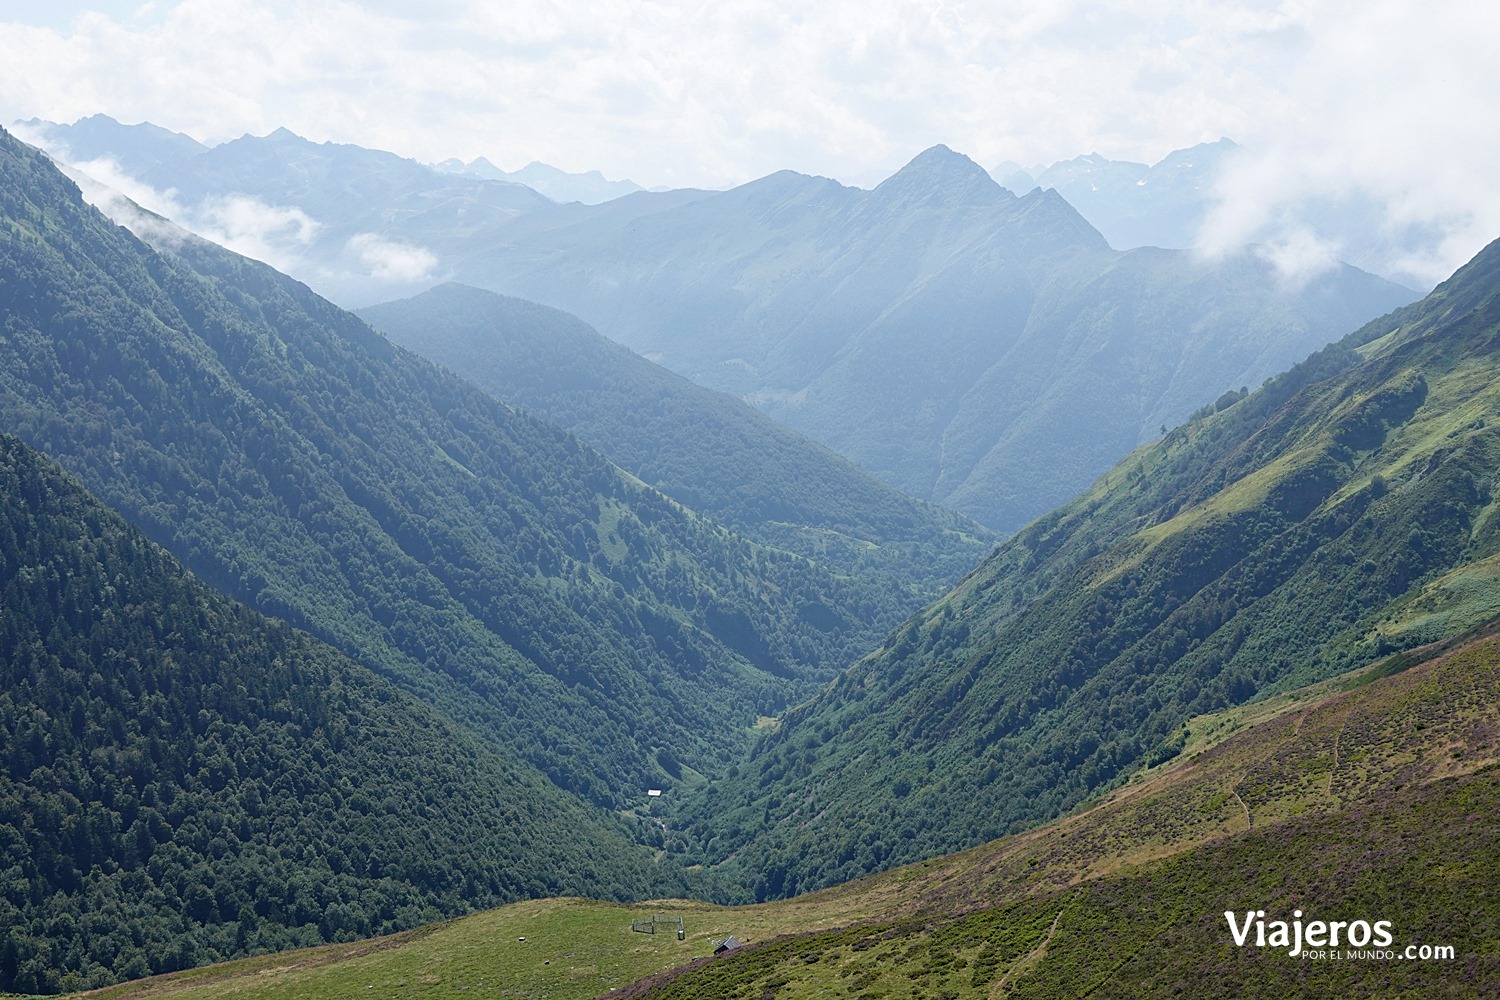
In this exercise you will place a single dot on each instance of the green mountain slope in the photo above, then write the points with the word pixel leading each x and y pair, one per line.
pixel 1343 510
pixel 704 449
pixel 185 780
pixel 297 460
pixel 1372 804
pixel 1369 798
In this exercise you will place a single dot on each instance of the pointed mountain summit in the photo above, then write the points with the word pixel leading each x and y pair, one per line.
pixel 939 174
pixel 1049 224
pixel 1196 166
pixel 1013 177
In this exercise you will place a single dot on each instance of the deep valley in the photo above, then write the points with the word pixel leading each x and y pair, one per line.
pixel 942 602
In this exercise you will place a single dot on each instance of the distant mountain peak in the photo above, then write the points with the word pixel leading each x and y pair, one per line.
pixel 786 181
pixel 942 160
pixel 938 151
pixel 136 148
pixel 1014 177
pixel 1055 223
pixel 939 170
pixel 590 188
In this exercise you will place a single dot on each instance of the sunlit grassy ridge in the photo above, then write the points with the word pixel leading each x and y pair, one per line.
pixel 1372 796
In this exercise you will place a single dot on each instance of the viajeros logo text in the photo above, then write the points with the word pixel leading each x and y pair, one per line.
pixel 1327 939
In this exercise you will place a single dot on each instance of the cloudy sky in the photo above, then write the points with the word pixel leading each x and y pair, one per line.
pixel 1393 98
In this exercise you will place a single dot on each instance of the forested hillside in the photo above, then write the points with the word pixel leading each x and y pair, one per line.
pixel 705 449
pixel 489 562
pixel 185 780
pixel 1345 509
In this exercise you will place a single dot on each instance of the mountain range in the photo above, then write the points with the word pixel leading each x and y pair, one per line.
pixel 348 220
pixel 299 461
pixel 943 334
pixel 1290 808
pixel 1133 204
pixel 595 636
pixel 186 780
pixel 967 346
pixel 1338 804
pixel 590 188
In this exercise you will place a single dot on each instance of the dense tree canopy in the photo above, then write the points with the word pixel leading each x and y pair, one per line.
pixel 185 780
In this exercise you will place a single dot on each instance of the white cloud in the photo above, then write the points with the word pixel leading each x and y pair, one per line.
pixel 1385 104
pixel 121 208
pixel 277 235
pixel 1299 255
pixel 1388 97
pixel 270 233
pixel 387 260
pixel 669 92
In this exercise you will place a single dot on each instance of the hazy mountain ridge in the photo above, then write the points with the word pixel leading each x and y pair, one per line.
pixel 139 149
pixel 1342 510
pixel 707 450
pixel 590 188
pixel 347 219
pixel 1132 204
pixel 938 293
pixel 460 547
pixel 939 331
pixel 1173 202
